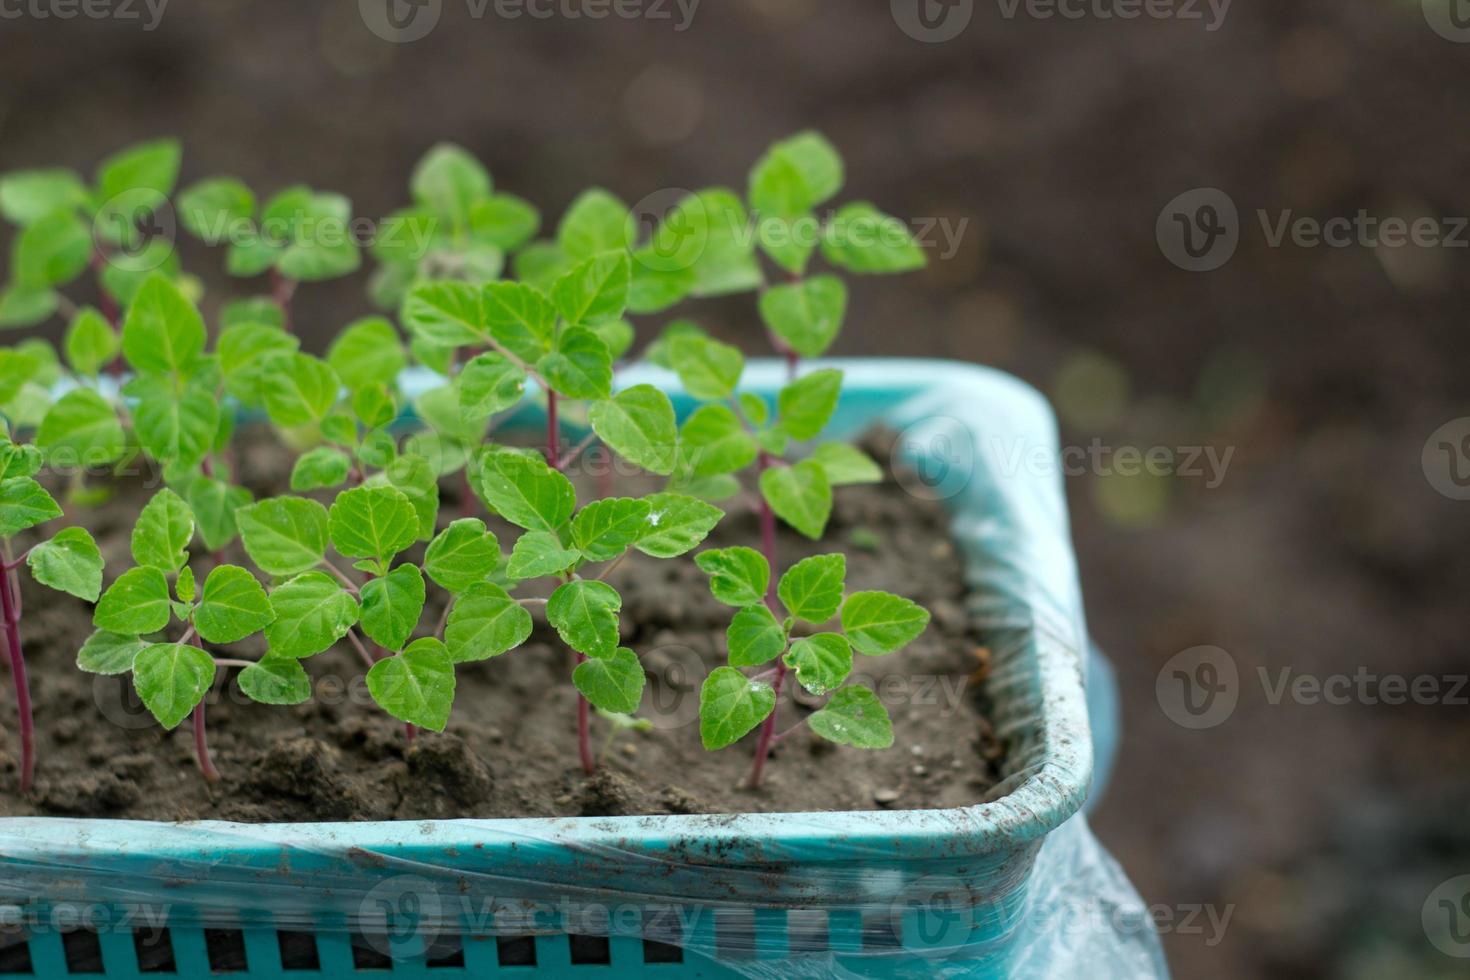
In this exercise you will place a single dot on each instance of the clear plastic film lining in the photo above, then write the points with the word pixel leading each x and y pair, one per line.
pixel 1014 886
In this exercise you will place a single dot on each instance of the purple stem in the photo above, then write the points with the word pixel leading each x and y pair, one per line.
pixel 584 710
pixel 9 600
pixel 768 548
pixel 201 744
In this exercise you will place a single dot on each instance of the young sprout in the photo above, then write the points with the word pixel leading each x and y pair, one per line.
pixel 299 235
pixel 172 678
pixel 68 226
pixel 68 562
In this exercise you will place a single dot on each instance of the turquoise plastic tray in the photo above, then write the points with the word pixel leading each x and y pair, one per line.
pixel 873 894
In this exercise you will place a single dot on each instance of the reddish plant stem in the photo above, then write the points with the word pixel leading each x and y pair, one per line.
pixel 11 608
pixel 553 433
pixel 768 548
pixel 409 731
pixel 201 744
pixel 282 289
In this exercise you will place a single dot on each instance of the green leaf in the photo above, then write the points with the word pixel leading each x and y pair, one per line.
pixel 214 209
pixel 152 166
pixel 595 222
pixel 714 442
pixel 171 678
pixel 854 716
pixel 730 705
pixel 709 232
pixel 448 181
pixel 69 562
pixel 325 466
pixel 367 352
pixel 790 241
pixel 676 524
pixel 463 554
pixel 708 369
pixel 24 503
pixel 251 256
pixel 374 406
pixel 655 287
pixel 445 313
pixel 214 503
pixel 109 653
pixel 81 431
pixel 639 425
pixel 538 553
pixel 594 291
pixel 845 464
pixel 415 478
pixel 812 588
pixel 580 367
pixel 136 603
pixel 184 588
pixel 807 315
pixel 417 686
pixel 320 246
pixel 284 535
pixel 604 529
pixel 488 384
pixel 800 495
pixel 372 522
pixel 51 252
pixel 259 310
pixel 251 355
pixel 806 405
pixel 303 393
pixel 163 531
pixel 177 430
pixel 754 637
pixel 739 576
pixel 613 683
pixel 276 680
pixel 862 239
pixel 821 661
pixel 616 335
pixel 232 606
pixel 520 318
pixel 312 613
pixel 540 263
pixel 26 196
pixel 485 622
pixel 392 605
pixel 21 307
pixel 22 460
pixel 880 622
pixel 526 491
pixel 585 614
pixel 504 221
pixel 796 175
pixel 91 343
pixel 163 332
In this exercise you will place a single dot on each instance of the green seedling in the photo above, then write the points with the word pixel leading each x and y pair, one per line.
pixel 298 235
pixel 68 226
pixel 68 562
pixel 173 677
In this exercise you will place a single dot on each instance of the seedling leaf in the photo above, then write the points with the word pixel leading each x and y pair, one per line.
pixel 392 605
pixel 613 683
pixel 605 529
pixel 485 622
pixel 110 653
pixel 135 604
pixel 739 576
pixel 812 588
pixel 171 678
pixel 585 614
pixel 284 535
pixel 463 554
pixel 800 495
pixel 70 562
pixel 676 524
pixel 754 637
pixel 312 612
pixel 730 705
pixel 232 606
pixel 276 680
pixel 854 716
pixel 538 553
pixel 880 622
pixel 821 661
pixel 417 686
pixel 639 425
pixel 526 491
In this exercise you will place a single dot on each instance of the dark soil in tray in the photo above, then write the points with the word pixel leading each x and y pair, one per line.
pixel 510 748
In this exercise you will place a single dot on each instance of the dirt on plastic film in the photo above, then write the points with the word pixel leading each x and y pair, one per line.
pixel 510 747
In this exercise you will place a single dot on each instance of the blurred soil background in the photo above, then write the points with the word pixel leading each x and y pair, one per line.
pixel 1056 142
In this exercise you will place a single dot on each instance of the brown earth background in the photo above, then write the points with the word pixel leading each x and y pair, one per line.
pixel 1320 828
